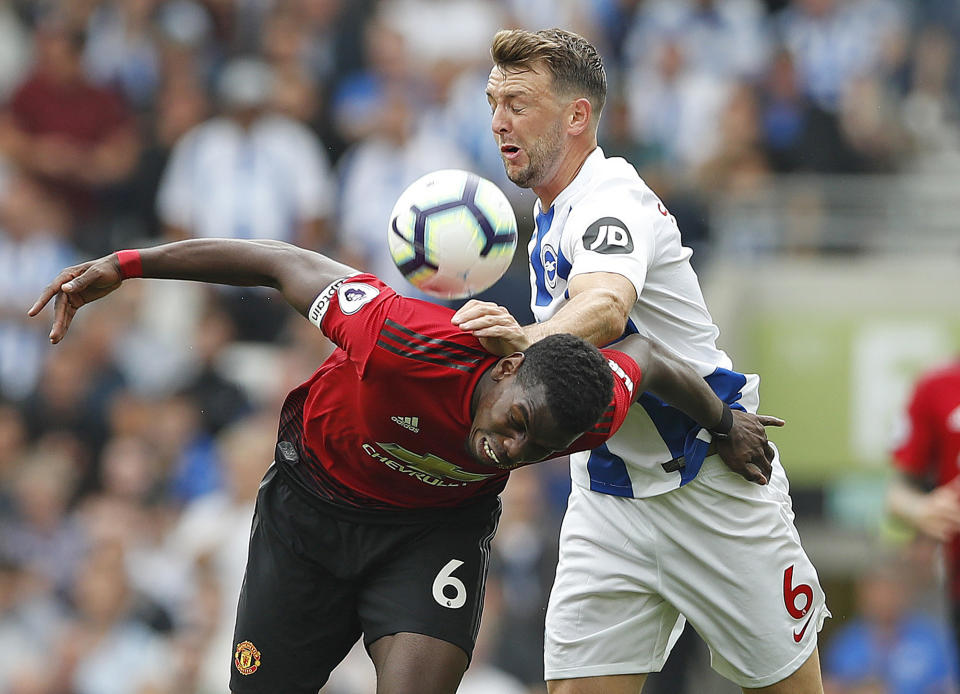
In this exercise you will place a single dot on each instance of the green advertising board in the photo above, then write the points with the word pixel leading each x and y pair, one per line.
pixel 838 346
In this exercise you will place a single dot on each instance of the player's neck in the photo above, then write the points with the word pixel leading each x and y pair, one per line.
pixel 567 170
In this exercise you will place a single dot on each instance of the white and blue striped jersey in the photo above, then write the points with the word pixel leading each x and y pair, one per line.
pixel 608 220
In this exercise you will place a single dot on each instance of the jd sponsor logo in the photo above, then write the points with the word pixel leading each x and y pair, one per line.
pixel 608 235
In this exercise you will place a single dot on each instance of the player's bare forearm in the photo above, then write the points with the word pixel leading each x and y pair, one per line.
pixel 672 380
pixel 221 261
pixel 595 315
pixel 597 310
pixel 297 273
pixel 745 449
pixel 589 315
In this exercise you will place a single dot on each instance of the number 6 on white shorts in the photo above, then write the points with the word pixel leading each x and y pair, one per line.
pixel 446 578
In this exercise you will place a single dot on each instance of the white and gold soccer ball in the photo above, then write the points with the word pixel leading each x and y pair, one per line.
pixel 452 234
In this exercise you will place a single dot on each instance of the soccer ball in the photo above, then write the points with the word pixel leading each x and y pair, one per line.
pixel 452 234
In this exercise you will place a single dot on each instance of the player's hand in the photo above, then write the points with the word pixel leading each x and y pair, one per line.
pixel 939 514
pixel 74 287
pixel 498 331
pixel 747 451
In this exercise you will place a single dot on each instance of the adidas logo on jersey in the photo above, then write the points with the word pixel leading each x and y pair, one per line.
pixel 411 423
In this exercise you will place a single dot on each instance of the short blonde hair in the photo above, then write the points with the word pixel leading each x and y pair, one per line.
pixel 574 64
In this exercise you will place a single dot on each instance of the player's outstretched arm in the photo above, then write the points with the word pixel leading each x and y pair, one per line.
pixel 745 448
pixel 297 273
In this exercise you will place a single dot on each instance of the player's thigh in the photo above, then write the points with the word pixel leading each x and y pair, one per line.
pixel 295 620
pixel 732 563
pixel 805 680
pixel 610 684
pixel 433 581
pixel 408 662
pixel 605 615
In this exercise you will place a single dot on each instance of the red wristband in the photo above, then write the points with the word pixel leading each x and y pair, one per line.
pixel 130 264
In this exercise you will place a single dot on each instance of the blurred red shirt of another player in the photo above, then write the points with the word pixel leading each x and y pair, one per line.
pixel 929 452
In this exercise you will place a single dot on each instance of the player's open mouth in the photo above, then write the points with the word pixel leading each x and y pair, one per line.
pixel 488 450
pixel 510 151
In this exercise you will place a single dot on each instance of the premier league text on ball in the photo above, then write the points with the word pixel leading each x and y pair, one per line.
pixel 452 234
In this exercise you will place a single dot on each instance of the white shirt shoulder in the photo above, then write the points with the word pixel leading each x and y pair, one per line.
pixel 615 223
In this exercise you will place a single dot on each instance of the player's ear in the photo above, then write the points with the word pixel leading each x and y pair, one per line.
pixel 507 366
pixel 579 115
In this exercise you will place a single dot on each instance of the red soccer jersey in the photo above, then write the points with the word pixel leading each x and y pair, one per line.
pixel 931 448
pixel 930 452
pixel 383 422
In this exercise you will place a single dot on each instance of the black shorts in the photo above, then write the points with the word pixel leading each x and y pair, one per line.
pixel 318 578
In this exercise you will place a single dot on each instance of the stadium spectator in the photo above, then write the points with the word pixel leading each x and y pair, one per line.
pixel 206 535
pixel 524 560
pixel 485 676
pixel 30 618
pixel 79 139
pixel 725 38
pixel 739 167
pixel 248 173
pixel 358 96
pixel 74 392
pixel 870 122
pixel 835 42
pixel 180 105
pixel 674 106
pixel 474 21
pixel 220 400
pixel 799 135
pixel 889 647
pixel 39 533
pixel 924 493
pixel 106 648
pixel 122 49
pixel 13 446
pixel 32 242
pixel 931 113
pixel 15 49
pixel 129 507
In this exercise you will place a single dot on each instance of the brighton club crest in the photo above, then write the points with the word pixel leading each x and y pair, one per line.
pixel 247 658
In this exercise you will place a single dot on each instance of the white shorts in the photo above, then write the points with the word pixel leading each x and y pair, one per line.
pixel 720 551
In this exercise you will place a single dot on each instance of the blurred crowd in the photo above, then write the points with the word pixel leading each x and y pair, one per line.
pixel 131 453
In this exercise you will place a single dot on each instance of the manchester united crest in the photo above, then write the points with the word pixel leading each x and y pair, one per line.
pixel 246 658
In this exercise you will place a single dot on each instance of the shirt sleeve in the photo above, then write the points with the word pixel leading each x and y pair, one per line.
pixel 351 311
pixel 626 379
pixel 915 453
pixel 611 236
